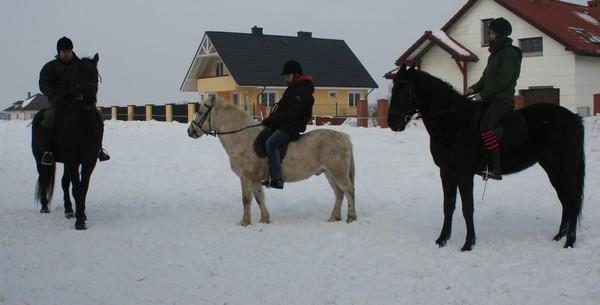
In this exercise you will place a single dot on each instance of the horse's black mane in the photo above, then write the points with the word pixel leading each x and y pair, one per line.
pixel 433 81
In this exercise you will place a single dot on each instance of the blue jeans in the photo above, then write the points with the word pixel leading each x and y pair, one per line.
pixel 276 140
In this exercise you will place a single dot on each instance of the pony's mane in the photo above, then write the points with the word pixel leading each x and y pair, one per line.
pixel 435 81
pixel 236 113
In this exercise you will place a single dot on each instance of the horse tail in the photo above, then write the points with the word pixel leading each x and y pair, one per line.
pixel 44 188
pixel 352 170
pixel 580 139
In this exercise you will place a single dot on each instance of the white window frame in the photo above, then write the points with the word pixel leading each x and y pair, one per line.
pixel 235 99
pixel 246 101
pixel 267 103
pixel 354 93
pixel 219 69
pixel 485 34
pixel 532 54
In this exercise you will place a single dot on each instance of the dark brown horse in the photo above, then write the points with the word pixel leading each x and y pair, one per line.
pixel 555 141
pixel 78 136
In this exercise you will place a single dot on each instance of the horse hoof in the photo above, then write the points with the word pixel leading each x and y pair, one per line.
pixel 334 219
pixel 559 236
pixel 466 248
pixel 570 243
pixel 351 219
pixel 441 242
pixel 80 226
pixel 45 211
pixel 69 215
pixel 244 223
pixel 266 221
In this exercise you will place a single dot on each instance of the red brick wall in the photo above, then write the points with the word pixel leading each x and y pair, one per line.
pixel 596 104
pixel 362 112
pixel 383 107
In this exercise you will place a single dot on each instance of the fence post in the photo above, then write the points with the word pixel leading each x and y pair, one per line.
pixel 336 109
pixel 169 112
pixel 362 112
pixel 261 111
pixel 149 112
pixel 383 106
pixel 596 103
pixel 191 109
pixel 113 113
pixel 130 112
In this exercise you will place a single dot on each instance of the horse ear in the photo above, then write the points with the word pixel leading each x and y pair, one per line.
pixel 96 58
pixel 212 99
pixel 403 68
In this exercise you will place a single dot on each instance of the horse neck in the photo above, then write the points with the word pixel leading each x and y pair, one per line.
pixel 450 110
pixel 230 119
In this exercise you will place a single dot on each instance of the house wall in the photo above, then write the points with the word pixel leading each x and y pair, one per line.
pixel 556 68
pixel 324 104
pixel 587 81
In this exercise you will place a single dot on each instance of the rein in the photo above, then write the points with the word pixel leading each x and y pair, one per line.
pixel 212 132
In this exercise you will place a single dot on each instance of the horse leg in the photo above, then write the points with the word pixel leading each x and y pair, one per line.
pixel 344 183
pixel 42 188
pixel 465 187
pixel 66 183
pixel 336 214
pixel 449 186
pixel 246 201
pixel 73 169
pixel 557 183
pixel 259 195
pixel 86 173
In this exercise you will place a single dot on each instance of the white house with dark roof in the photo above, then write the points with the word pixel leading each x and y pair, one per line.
pixel 560 43
pixel 26 109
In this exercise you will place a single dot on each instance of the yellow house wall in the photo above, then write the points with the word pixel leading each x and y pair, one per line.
pixel 324 105
pixel 217 84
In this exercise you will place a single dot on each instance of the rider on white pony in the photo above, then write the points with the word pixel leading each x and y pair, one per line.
pixel 288 118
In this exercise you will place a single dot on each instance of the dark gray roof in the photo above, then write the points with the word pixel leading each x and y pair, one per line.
pixel 257 59
pixel 39 101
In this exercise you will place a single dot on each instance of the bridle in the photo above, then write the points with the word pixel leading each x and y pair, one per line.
pixel 213 132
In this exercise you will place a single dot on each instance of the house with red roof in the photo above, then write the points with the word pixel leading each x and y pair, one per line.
pixel 560 43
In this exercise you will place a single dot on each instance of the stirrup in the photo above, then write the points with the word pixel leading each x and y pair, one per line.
pixel 47 159
pixel 487 174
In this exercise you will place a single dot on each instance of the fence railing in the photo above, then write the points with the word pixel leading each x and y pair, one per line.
pixel 323 114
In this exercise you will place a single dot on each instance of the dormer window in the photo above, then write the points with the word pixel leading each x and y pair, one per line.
pixel 485 32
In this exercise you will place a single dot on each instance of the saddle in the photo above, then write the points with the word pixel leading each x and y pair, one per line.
pixel 512 131
pixel 260 148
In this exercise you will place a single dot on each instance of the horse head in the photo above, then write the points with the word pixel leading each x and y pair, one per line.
pixel 403 104
pixel 201 123
pixel 88 79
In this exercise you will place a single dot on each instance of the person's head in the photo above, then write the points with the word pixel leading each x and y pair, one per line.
pixel 291 71
pixel 500 28
pixel 64 47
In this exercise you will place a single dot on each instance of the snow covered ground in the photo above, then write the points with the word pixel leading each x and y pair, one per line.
pixel 163 217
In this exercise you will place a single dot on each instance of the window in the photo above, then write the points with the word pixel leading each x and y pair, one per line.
pixel 268 99
pixel 245 101
pixel 532 46
pixel 219 69
pixel 332 94
pixel 235 99
pixel 353 98
pixel 485 32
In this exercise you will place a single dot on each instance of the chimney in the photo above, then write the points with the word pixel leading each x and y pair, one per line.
pixel 302 34
pixel 594 9
pixel 257 31
pixel 28 94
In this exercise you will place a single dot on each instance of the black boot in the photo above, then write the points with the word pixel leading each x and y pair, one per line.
pixel 103 155
pixel 494 171
pixel 46 136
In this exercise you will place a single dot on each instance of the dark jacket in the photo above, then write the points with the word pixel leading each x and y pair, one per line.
pixel 58 79
pixel 294 109
pixel 501 73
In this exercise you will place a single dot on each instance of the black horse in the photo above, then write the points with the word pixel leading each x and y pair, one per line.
pixel 78 137
pixel 555 141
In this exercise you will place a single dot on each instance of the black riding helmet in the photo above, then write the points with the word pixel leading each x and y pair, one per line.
pixel 501 27
pixel 64 44
pixel 291 67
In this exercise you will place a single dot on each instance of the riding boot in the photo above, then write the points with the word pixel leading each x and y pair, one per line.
pixel 46 140
pixel 103 155
pixel 276 184
pixel 494 170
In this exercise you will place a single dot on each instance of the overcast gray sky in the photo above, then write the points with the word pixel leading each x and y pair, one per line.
pixel 146 47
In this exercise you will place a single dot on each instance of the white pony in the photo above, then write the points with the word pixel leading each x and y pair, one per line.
pixel 319 151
